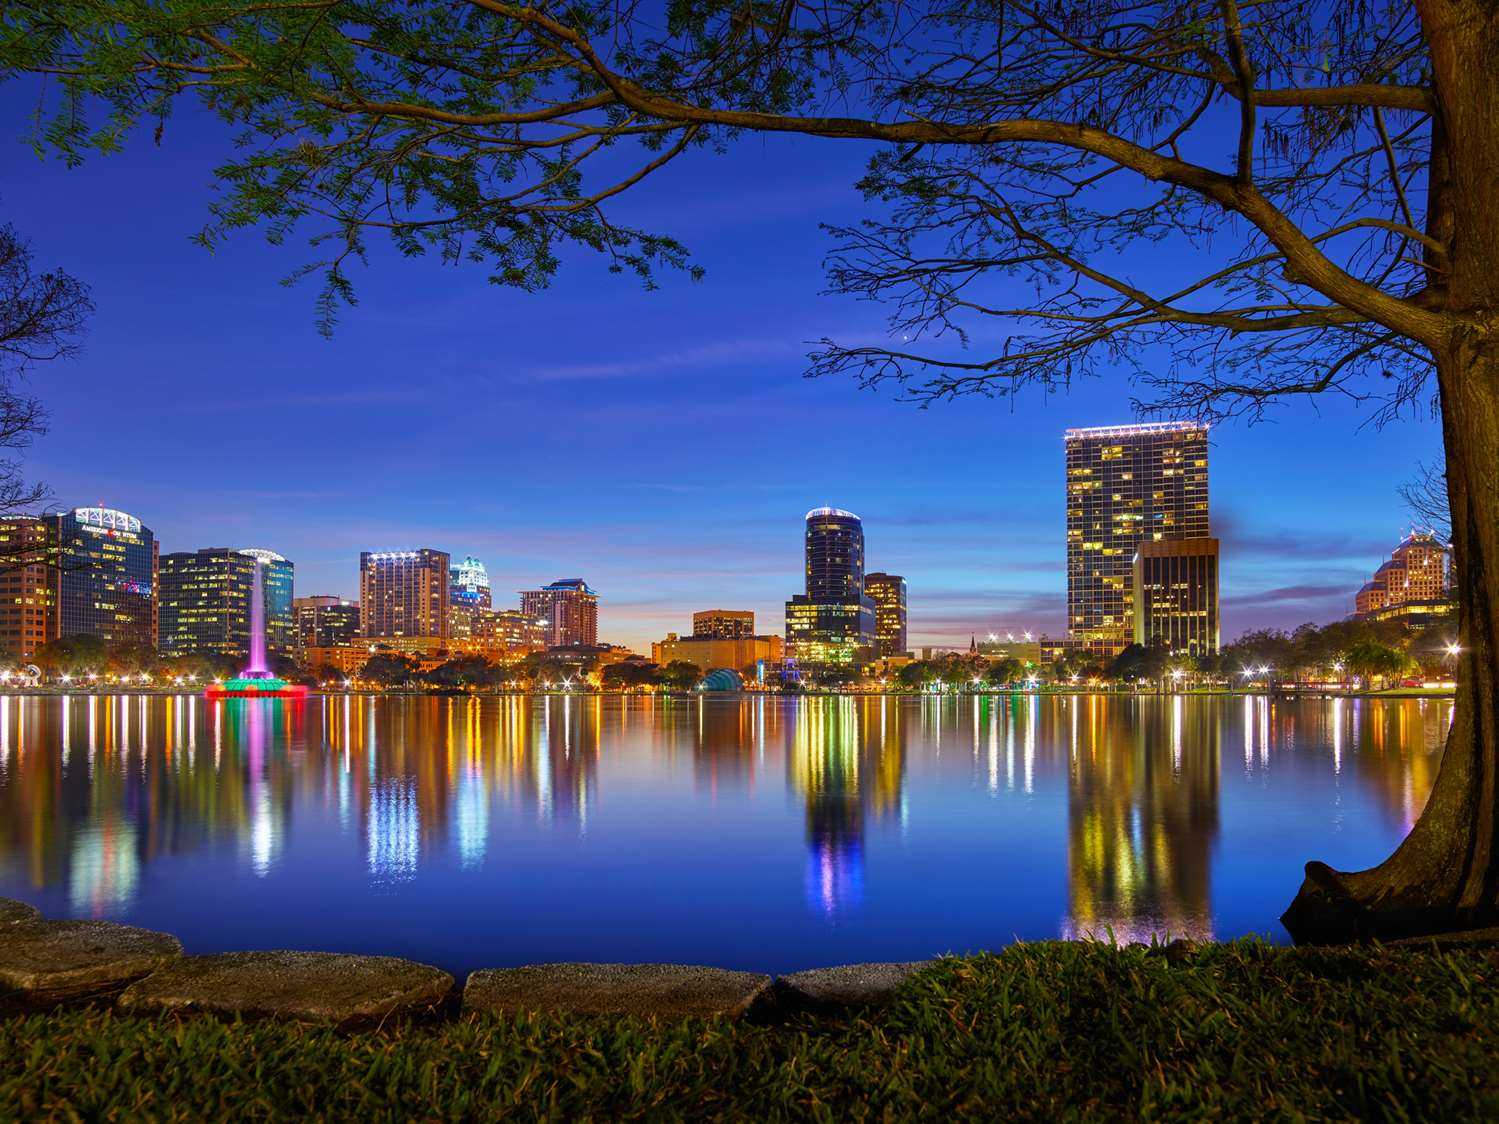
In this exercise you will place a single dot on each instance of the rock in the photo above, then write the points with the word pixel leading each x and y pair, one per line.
pixel 309 987
pixel 667 990
pixel 47 962
pixel 851 985
pixel 13 912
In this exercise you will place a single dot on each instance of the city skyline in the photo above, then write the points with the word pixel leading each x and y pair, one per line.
pixel 640 490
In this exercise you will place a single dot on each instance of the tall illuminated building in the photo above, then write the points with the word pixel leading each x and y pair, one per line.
pixel 1176 595
pixel 1126 485
pixel 28 544
pixel 888 592
pixel 105 581
pixel 1415 573
pixel 325 621
pixel 468 584
pixel 569 610
pixel 204 599
pixel 833 623
pixel 403 593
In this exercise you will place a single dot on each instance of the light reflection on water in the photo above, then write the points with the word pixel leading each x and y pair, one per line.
pixel 756 832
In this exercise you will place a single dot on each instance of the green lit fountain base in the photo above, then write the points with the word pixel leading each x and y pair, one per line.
pixel 256 689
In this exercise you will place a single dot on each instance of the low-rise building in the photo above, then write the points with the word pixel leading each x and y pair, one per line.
pixel 709 652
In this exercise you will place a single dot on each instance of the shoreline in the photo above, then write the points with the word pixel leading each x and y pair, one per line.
pixel 322 692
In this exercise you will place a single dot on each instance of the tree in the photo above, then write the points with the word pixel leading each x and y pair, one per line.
pixel 388 669
pixel 1005 671
pixel 41 318
pixel 1374 662
pixel 1333 163
pixel 917 674
pixel 679 675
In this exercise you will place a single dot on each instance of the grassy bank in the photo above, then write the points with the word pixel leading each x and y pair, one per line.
pixel 1041 1030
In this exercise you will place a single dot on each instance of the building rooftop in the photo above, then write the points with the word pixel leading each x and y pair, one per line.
pixel 837 512
pixel 1135 430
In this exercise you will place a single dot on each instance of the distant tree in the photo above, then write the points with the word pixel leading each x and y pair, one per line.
pixel 42 314
pixel 1005 671
pixel 72 655
pixel 679 675
pixel 630 674
pixel 917 674
pixel 389 670
pixel 1375 663
pixel 462 672
pixel 1331 164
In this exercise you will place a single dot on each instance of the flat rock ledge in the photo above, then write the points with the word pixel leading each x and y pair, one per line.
pixel 851 985
pixel 306 987
pixel 45 962
pixel 13 912
pixel 665 990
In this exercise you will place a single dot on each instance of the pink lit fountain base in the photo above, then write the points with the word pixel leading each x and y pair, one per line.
pixel 256 687
pixel 256 681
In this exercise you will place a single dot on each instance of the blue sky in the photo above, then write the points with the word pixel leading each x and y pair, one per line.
pixel 663 445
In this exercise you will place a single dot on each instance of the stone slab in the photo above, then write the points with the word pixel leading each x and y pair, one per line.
pixel 665 990
pixel 308 987
pixel 13 912
pixel 850 985
pixel 44 962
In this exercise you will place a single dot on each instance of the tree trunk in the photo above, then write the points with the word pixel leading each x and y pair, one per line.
pixel 1445 875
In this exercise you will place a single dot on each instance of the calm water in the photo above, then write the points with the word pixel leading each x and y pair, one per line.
pixel 759 833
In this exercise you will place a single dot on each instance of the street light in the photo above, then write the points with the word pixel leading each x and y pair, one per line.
pixel 1453 649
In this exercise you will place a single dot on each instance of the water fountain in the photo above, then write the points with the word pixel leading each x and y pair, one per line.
pixel 256 680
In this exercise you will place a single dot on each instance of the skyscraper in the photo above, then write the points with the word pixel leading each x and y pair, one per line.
pixel 1416 571
pixel 569 609
pixel 105 581
pixel 205 601
pixel 1126 485
pixel 403 593
pixel 1176 595
pixel 325 621
pixel 833 623
pixel 469 584
pixel 888 592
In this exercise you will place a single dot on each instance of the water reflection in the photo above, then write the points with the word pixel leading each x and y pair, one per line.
pixel 917 824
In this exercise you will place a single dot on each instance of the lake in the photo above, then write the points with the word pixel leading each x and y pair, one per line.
pixel 762 833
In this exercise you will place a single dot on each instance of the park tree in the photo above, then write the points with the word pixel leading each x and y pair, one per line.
pixel 1322 171
pixel 388 669
pixel 42 314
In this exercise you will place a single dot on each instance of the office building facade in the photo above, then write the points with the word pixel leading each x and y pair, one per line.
pixel 28 544
pixel 709 652
pixel 325 621
pixel 404 593
pixel 468 584
pixel 204 602
pixel 833 623
pixel 1175 585
pixel 104 584
pixel 888 592
pixel 723 623
pixel 1126 485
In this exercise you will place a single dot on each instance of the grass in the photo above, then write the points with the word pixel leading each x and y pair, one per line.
pixel 1050 1031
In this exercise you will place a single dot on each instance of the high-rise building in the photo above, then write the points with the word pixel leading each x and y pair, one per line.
pixel 709 652
pixel 403 593
pixel 723 623
pixel 28 544
pixel 104 584
pixel 1415 573
pixel 833 623
pixel 325 621
pixel 469 584
pixel 888 592
pixel 569 608
pixel 1126 485
pixel 1176 595
pixel 204 598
